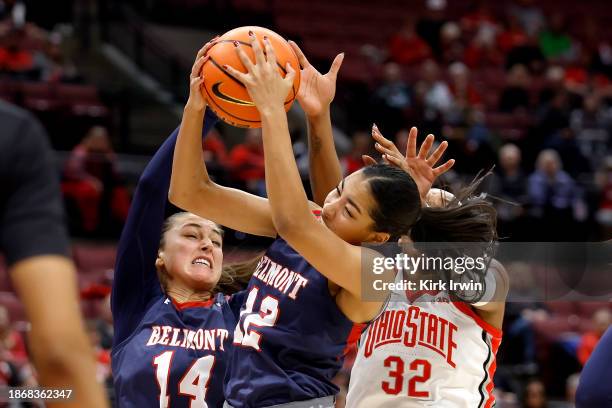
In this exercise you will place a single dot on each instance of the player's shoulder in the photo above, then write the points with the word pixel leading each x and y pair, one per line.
pixel 9 111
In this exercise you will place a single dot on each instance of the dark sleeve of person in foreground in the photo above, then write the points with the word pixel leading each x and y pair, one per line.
pixel 31 207
pixel 595 387
pixel 136 283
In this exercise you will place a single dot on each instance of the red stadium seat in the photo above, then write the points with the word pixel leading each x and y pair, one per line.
pixel 13 304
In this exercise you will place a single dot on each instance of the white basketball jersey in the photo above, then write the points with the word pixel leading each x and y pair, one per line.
pixel 429 352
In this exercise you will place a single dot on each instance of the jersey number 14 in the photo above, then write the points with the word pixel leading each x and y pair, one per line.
pixel 193 384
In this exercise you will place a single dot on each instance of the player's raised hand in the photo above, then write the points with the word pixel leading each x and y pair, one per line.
pixel 266 87
pixel 420 166
pixel 196 100
pixel 316 91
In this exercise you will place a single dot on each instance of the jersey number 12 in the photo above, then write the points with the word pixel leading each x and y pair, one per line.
pixel 244 334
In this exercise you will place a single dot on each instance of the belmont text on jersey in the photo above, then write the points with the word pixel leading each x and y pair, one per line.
pixel 413 327
pixel 279 277
pixel 200 339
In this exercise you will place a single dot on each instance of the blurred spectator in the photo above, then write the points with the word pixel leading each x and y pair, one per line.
pixel 591 124
pixel 12 345
pixel 479 16
pixel 362 144
pixel 14 11
pixel 565 143
pixel 452 48
pixel 406 47
pixel 392 98
pixel 92 183
pixel 435 93
pixel 534 395
pixel 515 95
pixel 464 94
pixel 604 181
pixel 554 82
pixel 247 162
pixel 55 67
pixel 428 27
pixel 523 311
pixel 102 356
pixel 529 16
pixel 482 50
pixel 509 184
pixel 553 196
pixel 555 42
pixel 14 58
pixel 215 156
pixel 513 35
pixel 527 54
pixel 602 319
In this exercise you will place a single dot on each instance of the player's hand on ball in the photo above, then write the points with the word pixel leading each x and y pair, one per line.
pixel 316 91
pixel 196 99
pixel 266 87
pixel 420 166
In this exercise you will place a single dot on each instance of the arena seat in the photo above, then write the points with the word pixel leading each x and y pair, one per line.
pixel 13 305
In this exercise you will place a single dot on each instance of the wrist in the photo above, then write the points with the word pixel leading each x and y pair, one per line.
pixel 321 117
pixel 271 112
pixel 192 107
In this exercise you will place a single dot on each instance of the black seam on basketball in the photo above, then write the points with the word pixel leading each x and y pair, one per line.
pixel 237 80
pixel 233 78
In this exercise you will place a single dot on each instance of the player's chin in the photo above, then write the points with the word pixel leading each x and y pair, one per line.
pixel 204 278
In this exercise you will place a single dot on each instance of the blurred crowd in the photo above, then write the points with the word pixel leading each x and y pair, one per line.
pixel 28 52
pixel 544 124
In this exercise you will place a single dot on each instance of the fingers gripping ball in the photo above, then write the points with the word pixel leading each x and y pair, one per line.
pixel 224 94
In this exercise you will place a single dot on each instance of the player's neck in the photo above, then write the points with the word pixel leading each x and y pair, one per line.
pixel 182 295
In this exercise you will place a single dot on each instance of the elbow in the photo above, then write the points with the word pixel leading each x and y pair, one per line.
pixel 289 227
pixel 183 196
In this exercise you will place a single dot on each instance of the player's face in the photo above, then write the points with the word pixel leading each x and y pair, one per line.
pixel 193 253
pixel 346 210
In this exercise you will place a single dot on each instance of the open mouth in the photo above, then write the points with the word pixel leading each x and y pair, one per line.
pixel 202 261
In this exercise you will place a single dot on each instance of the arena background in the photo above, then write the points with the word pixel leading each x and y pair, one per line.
pixel 523 85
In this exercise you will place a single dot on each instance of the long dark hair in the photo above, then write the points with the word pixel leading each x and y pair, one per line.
pixel 467 227
pixel 398 203
pixel 468 221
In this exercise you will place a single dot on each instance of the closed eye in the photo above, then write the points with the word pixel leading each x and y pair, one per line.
pixel 348 212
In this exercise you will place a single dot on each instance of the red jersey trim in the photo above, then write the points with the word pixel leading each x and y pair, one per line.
pixel 466 309
pixel 188 305
pixel 353 336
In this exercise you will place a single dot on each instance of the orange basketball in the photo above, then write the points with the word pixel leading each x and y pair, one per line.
pixel 225 95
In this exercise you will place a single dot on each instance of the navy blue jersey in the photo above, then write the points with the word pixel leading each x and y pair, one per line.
pixel 291 336
pixel 177 355
pixel 164 354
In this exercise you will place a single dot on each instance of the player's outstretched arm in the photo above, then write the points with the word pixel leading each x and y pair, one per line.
pixel 315 96
pixel 320 246
pixel 135 282
pixel 190 185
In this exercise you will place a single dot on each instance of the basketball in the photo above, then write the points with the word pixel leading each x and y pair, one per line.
pixel 225 95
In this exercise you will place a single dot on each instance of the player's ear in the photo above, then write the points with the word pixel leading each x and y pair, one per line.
pixel 380 237
pixel 159 262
